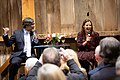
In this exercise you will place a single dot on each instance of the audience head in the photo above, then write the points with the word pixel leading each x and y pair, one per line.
pixel 50 72
pixel 98 58
pixel 109 49
pixel 28 23
pixel 87 26
pixel 74 56
pixel 30 62
pixel 51 55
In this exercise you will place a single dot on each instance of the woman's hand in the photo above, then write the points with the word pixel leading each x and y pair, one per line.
pixel 88 38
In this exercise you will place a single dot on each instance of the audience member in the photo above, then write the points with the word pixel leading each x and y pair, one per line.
pixel 109 51
pixel 98 58
pixel 30 62
pixel 52 55
pixel 73 54
pixel 87 40
pixel 50 72
pixel 23 41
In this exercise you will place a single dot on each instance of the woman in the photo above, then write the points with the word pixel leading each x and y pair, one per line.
pixel 87 40
pixel 73 54
pixel 50 72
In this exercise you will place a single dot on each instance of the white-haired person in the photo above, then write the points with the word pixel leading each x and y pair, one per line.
pixel 30 62
pixel 50 72
pixel 73 54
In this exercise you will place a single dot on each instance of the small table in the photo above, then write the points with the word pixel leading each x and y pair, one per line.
pixel 40 48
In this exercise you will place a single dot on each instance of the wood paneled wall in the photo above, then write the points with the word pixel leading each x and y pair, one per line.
pixel 10 15
pixel 62 16
pixel 66 16
pixel 28 9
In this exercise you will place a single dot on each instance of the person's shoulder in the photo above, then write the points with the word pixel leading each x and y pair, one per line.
pixel 18 31
pixel 79 33
pixel 95 33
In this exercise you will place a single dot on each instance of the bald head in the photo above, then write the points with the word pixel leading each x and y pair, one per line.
pixel 51 55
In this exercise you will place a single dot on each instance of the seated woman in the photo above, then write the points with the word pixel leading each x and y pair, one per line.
pixel 87 40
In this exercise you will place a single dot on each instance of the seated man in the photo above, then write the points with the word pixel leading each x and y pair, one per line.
pixel 24 41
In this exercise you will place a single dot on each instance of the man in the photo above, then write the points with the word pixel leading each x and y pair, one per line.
pixel 52 56
pixel 99 60
pixel 30 62
pixel 109 51
pixel 23 41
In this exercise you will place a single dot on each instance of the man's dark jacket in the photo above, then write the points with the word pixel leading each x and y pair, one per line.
pixel 103 72
pixel 18 40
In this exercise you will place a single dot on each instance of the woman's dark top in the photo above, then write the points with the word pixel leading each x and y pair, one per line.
pixel 87 51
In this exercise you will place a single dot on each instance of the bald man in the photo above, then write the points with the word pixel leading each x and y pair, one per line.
pixel 99 60
pixel 97 56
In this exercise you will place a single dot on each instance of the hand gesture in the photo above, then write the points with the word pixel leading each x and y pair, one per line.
pixel 6 30
pixel 65 55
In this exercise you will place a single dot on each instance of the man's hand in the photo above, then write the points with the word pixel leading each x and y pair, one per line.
pixel 6 30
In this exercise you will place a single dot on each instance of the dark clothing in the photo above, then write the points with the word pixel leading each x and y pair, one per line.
pixel 103 72
pixel 75 72
pixel 18 56
pixel 86 52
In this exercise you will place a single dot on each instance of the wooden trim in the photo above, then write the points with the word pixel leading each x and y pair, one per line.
pixel 28 9
pixel 4 66
pixel 74 34
pixel 1 39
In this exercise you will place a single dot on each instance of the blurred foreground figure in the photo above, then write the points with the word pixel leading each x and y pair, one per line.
pixel 109 52
pixel 50 72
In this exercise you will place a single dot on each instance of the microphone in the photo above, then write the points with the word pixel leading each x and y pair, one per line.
pixel 34 35
pixel 34 32
pixel 89 33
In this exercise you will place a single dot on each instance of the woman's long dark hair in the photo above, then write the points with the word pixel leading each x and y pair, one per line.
pixel 83 29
